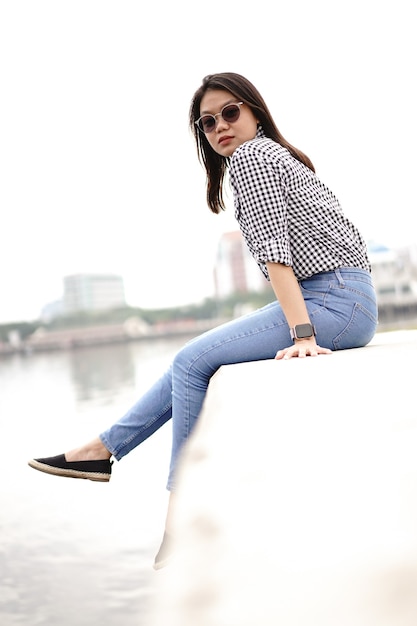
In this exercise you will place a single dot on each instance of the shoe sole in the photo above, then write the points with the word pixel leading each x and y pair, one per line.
pixel 164 563
pixel 68 473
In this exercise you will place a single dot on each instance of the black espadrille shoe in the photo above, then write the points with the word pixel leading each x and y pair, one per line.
pixel 99 471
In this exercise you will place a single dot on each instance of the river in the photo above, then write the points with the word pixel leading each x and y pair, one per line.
pixel 75 552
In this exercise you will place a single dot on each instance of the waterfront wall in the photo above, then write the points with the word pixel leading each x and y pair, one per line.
pixel 297 499
pixel 133 329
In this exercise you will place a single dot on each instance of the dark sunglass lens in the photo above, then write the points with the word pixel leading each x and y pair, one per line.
pixel 231 113
pixel 207 123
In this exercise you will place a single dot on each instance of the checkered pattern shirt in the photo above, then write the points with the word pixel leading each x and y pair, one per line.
pixel 287 215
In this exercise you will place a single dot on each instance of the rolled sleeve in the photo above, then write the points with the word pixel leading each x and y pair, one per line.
pixel 273 251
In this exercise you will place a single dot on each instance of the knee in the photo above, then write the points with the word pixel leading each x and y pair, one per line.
pixel 183 359
pixel 190 361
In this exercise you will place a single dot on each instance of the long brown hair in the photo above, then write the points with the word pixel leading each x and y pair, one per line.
pixel 214 163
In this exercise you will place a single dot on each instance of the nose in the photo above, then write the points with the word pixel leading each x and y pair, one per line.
pixel 220 123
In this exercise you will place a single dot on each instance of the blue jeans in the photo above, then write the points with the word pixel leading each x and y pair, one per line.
pixel 341 305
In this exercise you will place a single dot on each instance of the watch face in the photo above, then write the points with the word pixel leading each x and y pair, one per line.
pixel 303 331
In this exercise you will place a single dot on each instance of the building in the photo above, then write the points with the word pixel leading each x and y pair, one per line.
pixel 235 269
pixel 394 273
pixel 93 292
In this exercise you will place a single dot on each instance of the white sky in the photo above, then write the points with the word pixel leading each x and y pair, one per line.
pixel 98 169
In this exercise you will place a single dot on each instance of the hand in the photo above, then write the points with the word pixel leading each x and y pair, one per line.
pixel 301 348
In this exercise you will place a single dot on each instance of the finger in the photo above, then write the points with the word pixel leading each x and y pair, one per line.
pixel 323 350
pixel 280 354
pixel 289 354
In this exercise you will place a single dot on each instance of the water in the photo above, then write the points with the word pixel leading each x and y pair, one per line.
pixel 76 552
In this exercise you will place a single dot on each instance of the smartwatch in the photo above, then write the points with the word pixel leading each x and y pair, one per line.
pixel 302 331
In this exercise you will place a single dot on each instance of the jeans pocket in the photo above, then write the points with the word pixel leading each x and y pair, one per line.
pixel 359 330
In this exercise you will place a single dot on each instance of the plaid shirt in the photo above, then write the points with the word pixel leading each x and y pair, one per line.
pixel 287 215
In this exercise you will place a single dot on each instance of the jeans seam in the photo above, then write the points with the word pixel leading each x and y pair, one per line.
pixel 219 343
pixel 141 430
pixel 358 307
pixel 352 290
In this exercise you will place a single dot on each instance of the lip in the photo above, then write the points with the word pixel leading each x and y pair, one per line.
pixel 224 139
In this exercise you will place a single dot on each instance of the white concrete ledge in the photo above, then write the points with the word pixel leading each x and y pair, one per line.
pixel 297 501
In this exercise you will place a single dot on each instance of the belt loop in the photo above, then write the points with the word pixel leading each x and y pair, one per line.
pixel 339 277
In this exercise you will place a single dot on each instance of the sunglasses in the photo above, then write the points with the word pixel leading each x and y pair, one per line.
pixel 229 114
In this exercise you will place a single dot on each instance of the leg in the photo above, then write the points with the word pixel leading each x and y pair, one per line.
pixel 253 337
pixel 144 418
pixel 92 460
pixel 182 388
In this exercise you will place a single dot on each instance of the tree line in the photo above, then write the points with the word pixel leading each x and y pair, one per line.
pixel 210 308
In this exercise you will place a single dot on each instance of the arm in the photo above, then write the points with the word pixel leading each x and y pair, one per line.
pixel 288 293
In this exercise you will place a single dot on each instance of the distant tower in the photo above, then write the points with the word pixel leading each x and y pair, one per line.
pixel 235 269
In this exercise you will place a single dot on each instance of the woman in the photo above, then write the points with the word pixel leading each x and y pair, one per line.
pixel 314 257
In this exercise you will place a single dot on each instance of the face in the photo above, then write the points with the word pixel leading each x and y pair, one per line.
pixel 227 136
